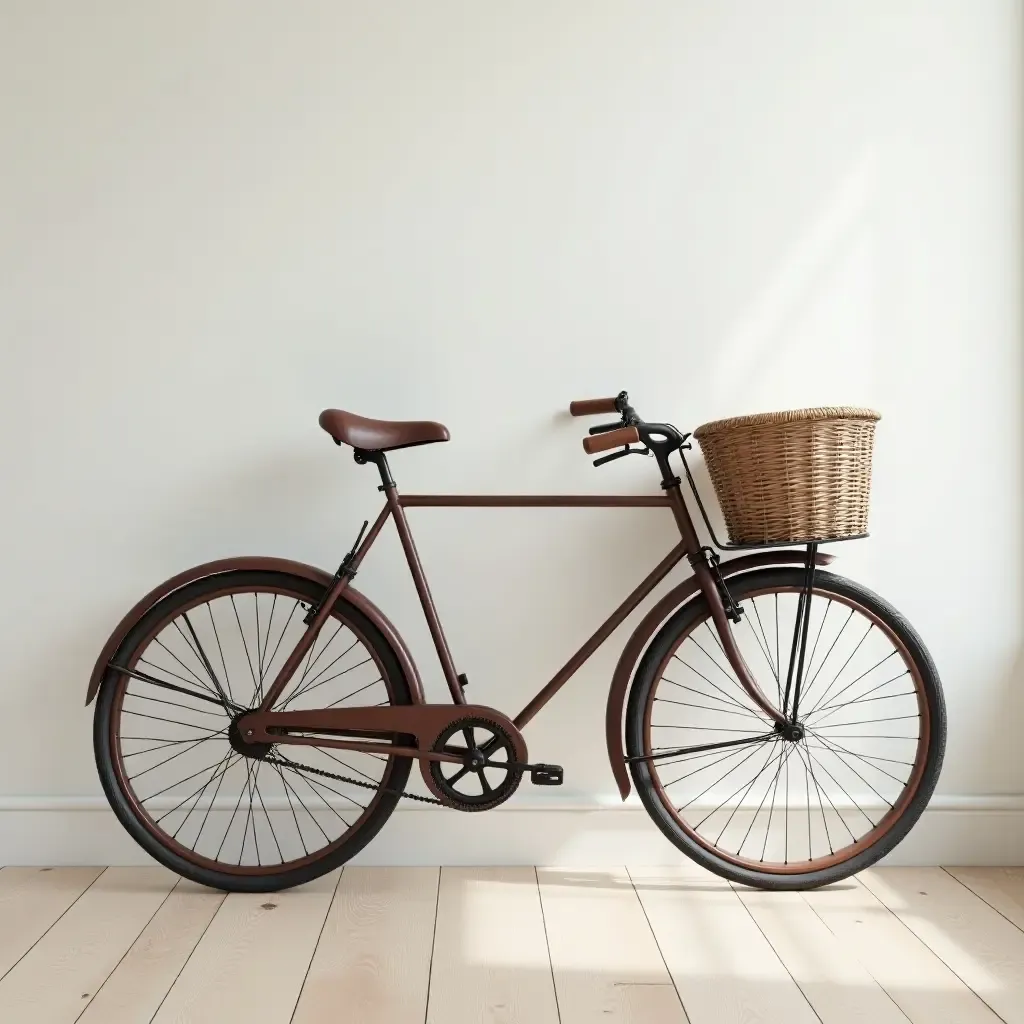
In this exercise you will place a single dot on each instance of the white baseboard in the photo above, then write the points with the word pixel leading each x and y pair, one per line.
pixel 980 830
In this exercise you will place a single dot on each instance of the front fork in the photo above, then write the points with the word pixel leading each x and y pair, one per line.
pixel 723 609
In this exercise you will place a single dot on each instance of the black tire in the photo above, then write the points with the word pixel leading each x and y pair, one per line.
pixel 676 631
pixel 395 774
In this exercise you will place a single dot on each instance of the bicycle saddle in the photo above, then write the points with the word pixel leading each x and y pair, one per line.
pixel 379 435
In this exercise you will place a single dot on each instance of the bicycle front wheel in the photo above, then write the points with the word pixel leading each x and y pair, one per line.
pixel 183 781
pixel 768 810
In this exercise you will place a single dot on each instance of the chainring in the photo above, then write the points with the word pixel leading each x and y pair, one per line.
pixel 483 745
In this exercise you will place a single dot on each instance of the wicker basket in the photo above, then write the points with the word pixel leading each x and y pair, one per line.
pixel 795 476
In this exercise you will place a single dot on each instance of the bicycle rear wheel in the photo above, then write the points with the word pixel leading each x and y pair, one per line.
pixel 180 777
pixel 780 812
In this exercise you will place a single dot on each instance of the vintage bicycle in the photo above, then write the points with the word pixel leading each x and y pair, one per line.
pixel 258 718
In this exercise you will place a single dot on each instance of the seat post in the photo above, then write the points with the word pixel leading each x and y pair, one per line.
pixel 380 460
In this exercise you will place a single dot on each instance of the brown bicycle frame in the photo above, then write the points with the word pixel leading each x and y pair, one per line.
pixel 688 547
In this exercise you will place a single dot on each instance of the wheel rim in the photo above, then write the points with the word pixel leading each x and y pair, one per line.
pixel 780 806
pixel 198 793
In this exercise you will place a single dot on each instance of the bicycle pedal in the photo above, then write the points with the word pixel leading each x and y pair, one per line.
pixel 546 775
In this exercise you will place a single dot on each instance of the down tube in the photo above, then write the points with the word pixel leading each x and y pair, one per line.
pixel 657 574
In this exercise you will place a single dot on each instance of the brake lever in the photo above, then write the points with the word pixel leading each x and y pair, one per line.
pixel 603 428
pixel 620 454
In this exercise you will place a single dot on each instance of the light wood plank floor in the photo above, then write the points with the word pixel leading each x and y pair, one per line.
pixel 512 946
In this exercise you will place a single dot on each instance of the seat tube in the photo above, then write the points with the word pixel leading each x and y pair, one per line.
pixel 444 653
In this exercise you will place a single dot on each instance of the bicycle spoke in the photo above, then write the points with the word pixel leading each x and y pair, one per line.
pixel 220 650
pixel 702 707
pixel 192 745
pixel 314 787
pixel 181 803
pixel 711 764
pixel 270 824
pixel 349 696
pixel 724 699
pixel 893 653
pixel 232 819
pixel 326 668
pixel 743 841
pixel 866 696
pixel 213 800
pixel 746 792
pixel 188 778
pixel 814 648
pixel 174 704
pixel 259 651
pixel 311 662
pixel 778 655
pixel 196 679
pixel 775 792
pixel 714 661
pixel 853 653
pixel 750 754
pixel 284 629
pixel 143 677
pixel 291 807
pixel 828 653
pixel 241 633
pixel 821 807
pixel 843 760
pixel 205 660
pixel 699 728
pixel 762 642
pixel 713 685
pixel 309 687
pixel 735 792
pixel 847 795
pixel 865 757
pixel 869 721
pixel 158 718
pixel 199 794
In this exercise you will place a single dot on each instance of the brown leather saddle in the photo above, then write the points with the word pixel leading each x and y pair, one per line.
pixel 379 435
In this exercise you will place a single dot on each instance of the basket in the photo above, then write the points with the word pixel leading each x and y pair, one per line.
pixel 799 476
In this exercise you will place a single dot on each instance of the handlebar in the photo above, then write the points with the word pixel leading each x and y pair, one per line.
pixel 592 406
pixel 611 439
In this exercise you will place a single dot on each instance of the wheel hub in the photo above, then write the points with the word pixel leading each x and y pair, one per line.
pixel 792 731
pixel 245 747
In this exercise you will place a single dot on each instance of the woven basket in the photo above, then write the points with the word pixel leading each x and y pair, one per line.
pixel 795 476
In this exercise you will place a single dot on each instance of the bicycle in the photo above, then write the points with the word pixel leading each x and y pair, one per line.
pixel 322 712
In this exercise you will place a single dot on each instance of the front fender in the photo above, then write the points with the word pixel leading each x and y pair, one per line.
pixel 224 565
pixel 648 626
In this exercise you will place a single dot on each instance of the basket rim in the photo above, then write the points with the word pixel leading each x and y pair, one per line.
pixel 831 412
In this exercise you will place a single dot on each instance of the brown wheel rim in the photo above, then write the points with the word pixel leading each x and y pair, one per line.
pixel 237 814
pixel 844 786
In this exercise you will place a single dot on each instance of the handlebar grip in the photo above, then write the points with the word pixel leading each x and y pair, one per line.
pixel 613 439
pixel 592 406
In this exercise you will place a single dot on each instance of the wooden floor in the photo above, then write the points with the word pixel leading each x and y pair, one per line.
pixel 509 945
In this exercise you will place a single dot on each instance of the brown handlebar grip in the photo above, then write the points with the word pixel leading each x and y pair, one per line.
pixel 592 406
pixel 612 439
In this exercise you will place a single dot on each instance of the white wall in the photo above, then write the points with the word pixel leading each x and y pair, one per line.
pixel 217 218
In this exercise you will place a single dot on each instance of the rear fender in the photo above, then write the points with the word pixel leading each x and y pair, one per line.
pixel 224 565
pixel 649 625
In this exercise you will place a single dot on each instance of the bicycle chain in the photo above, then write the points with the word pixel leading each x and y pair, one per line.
pixel 271 759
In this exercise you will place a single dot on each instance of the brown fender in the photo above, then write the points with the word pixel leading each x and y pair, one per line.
pixel 309 572
pixel 648 626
